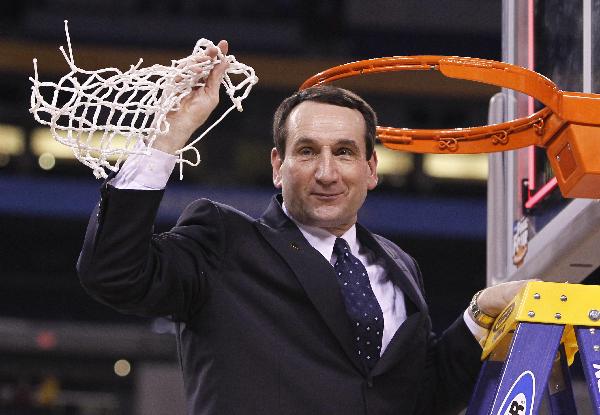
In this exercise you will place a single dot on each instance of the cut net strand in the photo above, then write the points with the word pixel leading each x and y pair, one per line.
pixel 112 114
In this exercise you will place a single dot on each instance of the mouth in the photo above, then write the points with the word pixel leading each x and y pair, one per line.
pixel 326 196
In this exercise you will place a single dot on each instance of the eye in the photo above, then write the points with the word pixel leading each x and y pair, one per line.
pixel 345 151
pixel 305 151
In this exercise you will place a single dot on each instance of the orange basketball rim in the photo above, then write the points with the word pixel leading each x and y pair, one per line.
pixel 568 127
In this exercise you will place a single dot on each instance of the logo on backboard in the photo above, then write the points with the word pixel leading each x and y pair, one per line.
pixel 520 240
pixel 521 396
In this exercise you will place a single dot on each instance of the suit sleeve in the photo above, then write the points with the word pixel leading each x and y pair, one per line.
pixel 451 371
pixel 124 265
pixel 451 367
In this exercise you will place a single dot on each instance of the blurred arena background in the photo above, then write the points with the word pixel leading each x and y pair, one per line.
pixel 63 353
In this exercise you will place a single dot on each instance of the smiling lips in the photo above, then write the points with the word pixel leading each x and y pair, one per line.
pixel 326 196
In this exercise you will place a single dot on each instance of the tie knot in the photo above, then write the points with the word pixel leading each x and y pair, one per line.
pixel 340 247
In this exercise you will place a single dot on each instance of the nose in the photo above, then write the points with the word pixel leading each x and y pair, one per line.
pixel 327 172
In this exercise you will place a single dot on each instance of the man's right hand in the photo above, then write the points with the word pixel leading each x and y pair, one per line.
pixel 495 298
pixel 195 108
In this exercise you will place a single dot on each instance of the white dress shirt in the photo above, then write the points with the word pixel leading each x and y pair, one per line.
pixel 152 172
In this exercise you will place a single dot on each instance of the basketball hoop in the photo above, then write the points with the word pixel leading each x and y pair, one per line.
pixel 568 126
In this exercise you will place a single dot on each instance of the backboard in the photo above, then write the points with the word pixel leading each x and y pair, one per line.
pixel 532 231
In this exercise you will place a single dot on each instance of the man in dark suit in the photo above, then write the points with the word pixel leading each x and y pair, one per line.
pixel 302 311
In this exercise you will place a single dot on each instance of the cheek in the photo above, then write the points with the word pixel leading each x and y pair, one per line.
pixel 356 174
pixel 297 175
pixel 290 183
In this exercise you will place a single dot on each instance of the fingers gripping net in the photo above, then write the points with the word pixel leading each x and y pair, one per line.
pixel 106 115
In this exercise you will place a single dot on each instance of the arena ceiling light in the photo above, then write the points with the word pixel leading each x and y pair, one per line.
pixel 42 142
pixel 12 140
pixel 456 166
pixel 393 163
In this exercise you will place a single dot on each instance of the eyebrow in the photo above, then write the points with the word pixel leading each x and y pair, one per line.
pixel 342 142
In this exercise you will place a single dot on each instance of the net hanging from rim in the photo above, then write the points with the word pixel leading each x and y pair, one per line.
pixel 105 115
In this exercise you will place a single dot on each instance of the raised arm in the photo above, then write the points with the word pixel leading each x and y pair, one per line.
pixel 122 263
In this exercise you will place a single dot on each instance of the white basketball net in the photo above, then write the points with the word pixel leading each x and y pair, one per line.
pixel 107 114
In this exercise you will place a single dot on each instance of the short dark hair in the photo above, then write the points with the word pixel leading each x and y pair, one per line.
pixel 325 94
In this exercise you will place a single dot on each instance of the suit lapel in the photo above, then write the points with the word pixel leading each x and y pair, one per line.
pixel 416 308
pixel 315 274
pixel 396 270
pixel 396 350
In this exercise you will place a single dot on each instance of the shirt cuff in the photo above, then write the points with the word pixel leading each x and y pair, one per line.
pixel 145 172
pixel 476 330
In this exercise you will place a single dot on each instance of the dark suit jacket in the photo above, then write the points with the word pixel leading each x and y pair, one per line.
pixel 262 324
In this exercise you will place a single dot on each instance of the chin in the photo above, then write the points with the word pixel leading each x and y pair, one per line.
pixel 328 219
pixel 327 214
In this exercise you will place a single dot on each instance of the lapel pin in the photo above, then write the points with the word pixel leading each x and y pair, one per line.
pixel 296 247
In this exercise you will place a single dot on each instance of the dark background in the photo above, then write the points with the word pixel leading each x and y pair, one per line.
pixel 48 324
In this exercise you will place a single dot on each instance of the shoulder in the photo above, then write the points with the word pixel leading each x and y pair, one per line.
pixel 214 226
pixel 209 210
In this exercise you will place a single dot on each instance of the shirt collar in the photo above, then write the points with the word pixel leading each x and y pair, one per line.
pixel 323 240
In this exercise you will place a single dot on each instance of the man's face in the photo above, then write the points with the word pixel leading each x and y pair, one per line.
pixel 324 176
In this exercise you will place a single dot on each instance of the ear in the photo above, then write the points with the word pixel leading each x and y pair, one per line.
pixel 276 165
pixel 372 179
